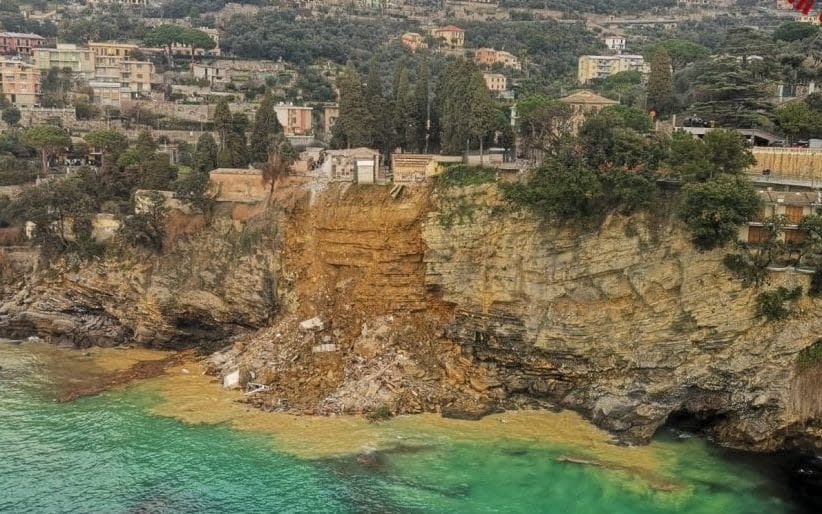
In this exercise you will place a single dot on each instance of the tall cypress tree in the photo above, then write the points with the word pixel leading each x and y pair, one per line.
pixel 222 121
pixel 421 107
pixel 265 127
pixel 465 107
pixel 353 127
pixel 402 108
pixel 660 83
pixel 378 110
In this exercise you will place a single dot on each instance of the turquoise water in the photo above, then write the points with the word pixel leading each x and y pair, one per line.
pixel 110 454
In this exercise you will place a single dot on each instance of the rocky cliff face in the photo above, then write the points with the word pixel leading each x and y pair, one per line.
pixel 450 302
pixel 626 325
pixel 202 291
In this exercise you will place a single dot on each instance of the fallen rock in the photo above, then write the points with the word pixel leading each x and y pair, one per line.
pixel 312 325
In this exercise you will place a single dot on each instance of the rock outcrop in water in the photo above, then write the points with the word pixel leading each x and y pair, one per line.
pixel 450 302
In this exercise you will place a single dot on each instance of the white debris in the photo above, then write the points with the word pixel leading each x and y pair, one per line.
pixel 232 380
pixel 313 324
pixel 323 348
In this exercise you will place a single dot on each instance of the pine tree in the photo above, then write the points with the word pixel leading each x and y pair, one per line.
pixel 223 121
pixel 265 127
pixel 660 83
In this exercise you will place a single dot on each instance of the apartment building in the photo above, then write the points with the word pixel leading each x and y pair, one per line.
pixel 495 82
pixel 19 43
pixel 593 67
pixel 413 41
pixel 79 60
pixel 295 119
pixel 452 35
pixel 19 82
pixel 111 49
pixel 490 56
pixel 615 43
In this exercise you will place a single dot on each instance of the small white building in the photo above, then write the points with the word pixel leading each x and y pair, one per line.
pixel 615 43
pixel 359 165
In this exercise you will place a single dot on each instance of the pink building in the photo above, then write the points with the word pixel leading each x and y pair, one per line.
pixel 295 119
pixel 17 43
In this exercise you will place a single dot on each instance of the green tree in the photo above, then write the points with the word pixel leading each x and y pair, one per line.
pixel 795 31
pixel 353 127
pixel 110 142
pixel 223 121
pixel 544 125
pixel 682 52
pixel 205 155
pixel 797 120
pixel 402 109
pixel 713 210
pixel 48 140
pixel 61 211
pixel 465 106
pixel 422 105
pixel 11 115
pixel 280 159
pixel 660 83
pixel 265 127
pixel 728 152
pixel 147 227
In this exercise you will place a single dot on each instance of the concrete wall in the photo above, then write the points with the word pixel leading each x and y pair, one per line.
pixel 240 186
pixel 797 162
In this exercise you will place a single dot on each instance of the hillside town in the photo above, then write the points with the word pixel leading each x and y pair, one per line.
pixel 411 255
pixel 177 97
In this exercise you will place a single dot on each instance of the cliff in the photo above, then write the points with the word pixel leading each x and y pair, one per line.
pixel 448 301
pixel 628 325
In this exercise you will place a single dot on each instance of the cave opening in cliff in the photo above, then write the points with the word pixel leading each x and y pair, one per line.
pixel 692 421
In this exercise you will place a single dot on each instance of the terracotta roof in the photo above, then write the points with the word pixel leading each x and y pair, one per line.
pixel 587 97
pixel 451 28
pixel 797 198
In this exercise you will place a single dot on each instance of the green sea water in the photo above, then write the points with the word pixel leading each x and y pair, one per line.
pixel 110 454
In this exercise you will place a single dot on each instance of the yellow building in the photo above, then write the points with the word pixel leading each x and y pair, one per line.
pixel 495 82
pixel 413 41
pixel 20 82
pixel 111 49
pixel 453 35
pixel 136 75
pixel 593 67
pixel 79 60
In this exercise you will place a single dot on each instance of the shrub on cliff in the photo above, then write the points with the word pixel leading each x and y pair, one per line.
pixel 713 210
pixel 771 304
pixel 567 189
pixel 462 175
pixel 810 356
pixel 147 227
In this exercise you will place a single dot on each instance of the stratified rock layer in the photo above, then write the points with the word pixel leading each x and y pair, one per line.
pixel 626 325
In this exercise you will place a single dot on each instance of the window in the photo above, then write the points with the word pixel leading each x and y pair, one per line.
pixel 794 213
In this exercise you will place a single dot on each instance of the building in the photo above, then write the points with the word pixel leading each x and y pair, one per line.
pixel 19 43
pixel 495 82
pixel 183 49
pixel 585 102
pixel 410 168
pixel 452 35
pixel 107 93
pixel 111 49
pixel 810 18
pixel 593 67
pixel 413 41
pixel 136 76
pixel 359 165
pixel 79 60
pixel 330 115
pixel 295 119
pixel 219 71
pixel 615 43
pixel 489 57
pixel 792 205
pixel 20 82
